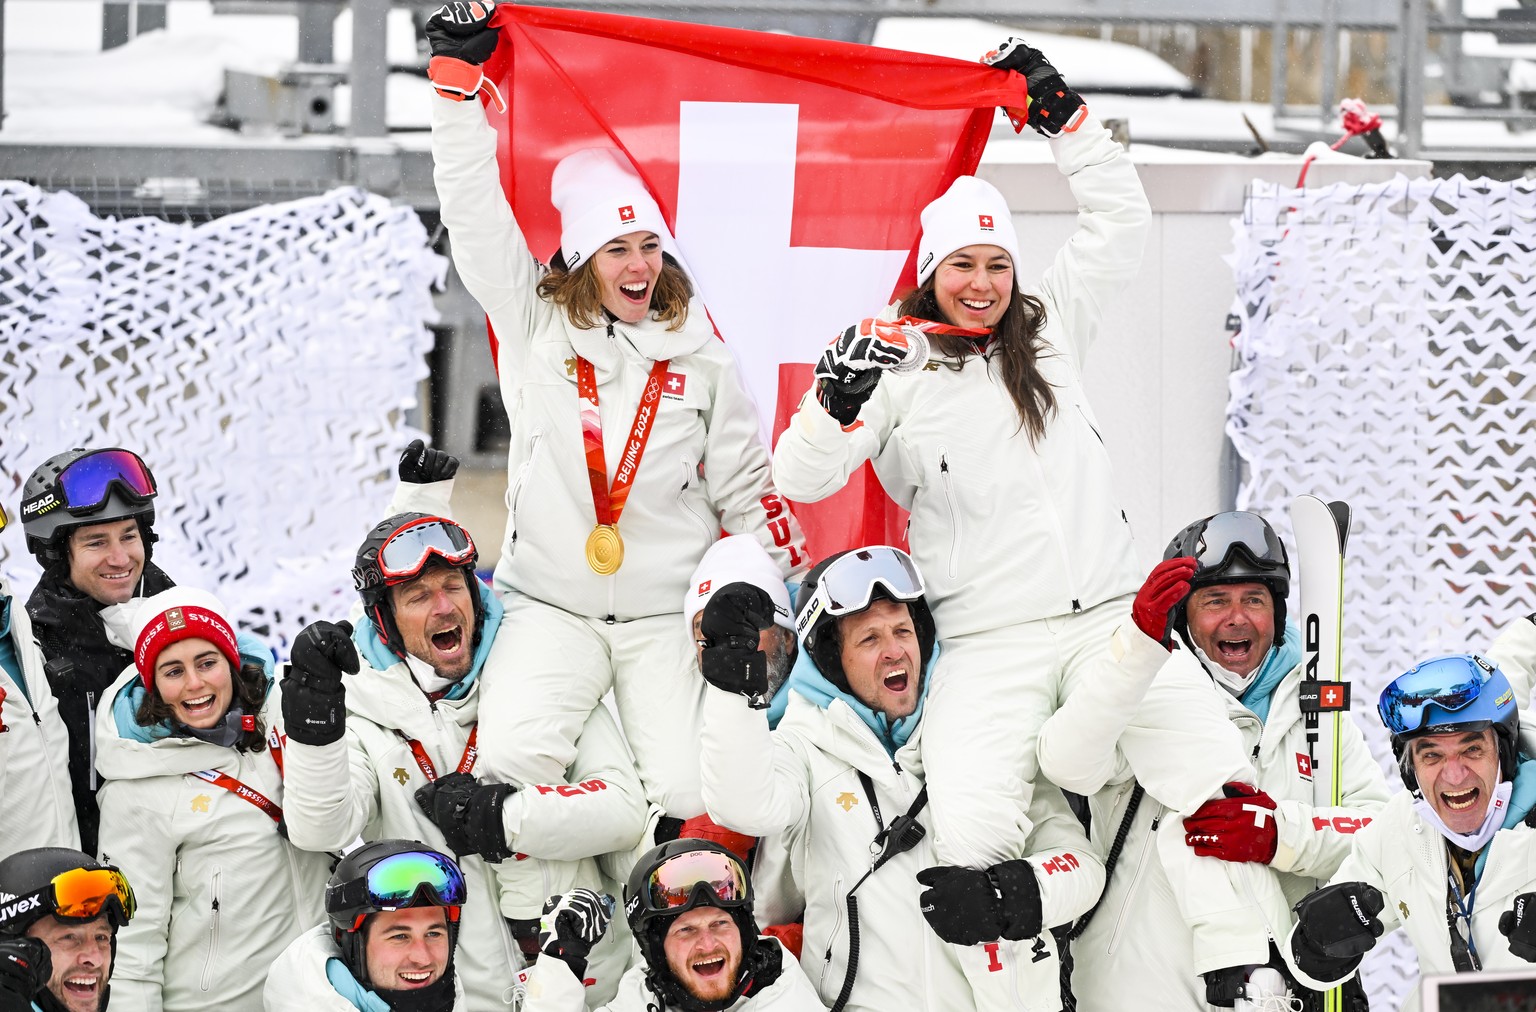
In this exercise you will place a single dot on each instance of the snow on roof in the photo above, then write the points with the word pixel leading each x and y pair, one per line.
pixel 1089 64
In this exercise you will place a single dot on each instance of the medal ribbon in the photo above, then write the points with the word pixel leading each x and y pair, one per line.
pixel 466 762
pixel 609 504
pixel 239 790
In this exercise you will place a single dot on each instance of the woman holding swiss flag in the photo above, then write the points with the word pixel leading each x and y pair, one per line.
pixel 633 444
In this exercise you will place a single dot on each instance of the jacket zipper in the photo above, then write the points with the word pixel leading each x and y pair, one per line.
pixel 90 709
pixel 1130 892
pixel 688 471
pixel 515 492
pixel 954 510
pixel 1091 426
pixel 213 935
pixel 840 904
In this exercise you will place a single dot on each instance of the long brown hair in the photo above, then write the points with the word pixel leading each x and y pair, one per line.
pixel 250 684
pixel 580 295
pixel 1018 344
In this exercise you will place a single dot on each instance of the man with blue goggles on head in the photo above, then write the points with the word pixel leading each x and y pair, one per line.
pixel 1450 861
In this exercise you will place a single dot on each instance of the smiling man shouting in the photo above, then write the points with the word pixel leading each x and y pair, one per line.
pixel 1449 860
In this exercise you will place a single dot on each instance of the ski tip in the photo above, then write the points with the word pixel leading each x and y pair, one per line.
pixel 1341 515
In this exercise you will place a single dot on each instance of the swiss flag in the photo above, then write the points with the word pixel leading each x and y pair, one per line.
pixel 777 161
pixel 1304 765
pixel 627 213
pixel 674 385
pixel 984 221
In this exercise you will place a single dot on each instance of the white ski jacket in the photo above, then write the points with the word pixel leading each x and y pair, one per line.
pixel 1405 857
pixel 220 892
pixel 365 785
pixel 704 468
pixel 298 981
pixel 553 988
pixel 1138 927
pixel 946 445
pixel 798 788
pixel 34 750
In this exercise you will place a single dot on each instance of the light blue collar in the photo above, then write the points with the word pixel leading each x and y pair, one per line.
pixel 373 649
pixel 1277 664
pixel 806 679
pixel 346 985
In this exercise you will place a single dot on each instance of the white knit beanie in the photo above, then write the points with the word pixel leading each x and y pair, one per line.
pixel 739 558
pixel 971 212
pixel 600 197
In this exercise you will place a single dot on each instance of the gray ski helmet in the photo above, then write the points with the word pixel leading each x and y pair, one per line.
pixel 372 584
pixel 817 626
pixel 1234 547
pixel 694 886
pixel 389 875
pixel 27 892
pixel 47 520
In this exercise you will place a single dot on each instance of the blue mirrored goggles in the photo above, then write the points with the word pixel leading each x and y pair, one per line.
pixel 1452 685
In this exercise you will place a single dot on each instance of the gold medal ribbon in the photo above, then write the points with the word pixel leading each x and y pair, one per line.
pixel 605 548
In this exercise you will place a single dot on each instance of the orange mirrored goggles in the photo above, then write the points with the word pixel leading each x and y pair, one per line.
pixel 80 894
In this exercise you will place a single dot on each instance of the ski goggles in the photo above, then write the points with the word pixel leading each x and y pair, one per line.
pixel 86 484
pixel 406 550
pixel 673 884
pixel 410 879
pixel 79 894
pixel 1451 684
pixel 1213 544
pixel 847 585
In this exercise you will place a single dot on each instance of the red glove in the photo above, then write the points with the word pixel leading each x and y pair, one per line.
pixel 702 827
pixel 1238 827
pixel 1166 586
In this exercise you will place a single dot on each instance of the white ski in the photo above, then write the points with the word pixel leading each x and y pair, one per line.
pixel 1321 531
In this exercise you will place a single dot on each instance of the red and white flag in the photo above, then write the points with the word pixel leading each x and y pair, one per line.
pixel 791 171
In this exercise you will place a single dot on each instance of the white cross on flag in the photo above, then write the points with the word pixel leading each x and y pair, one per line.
pixel 779 162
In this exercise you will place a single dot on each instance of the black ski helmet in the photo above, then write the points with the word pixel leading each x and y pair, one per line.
pixel 1233 547
pixel 817 625
pixel 650 922
pixel 47 520
pixel 28 893
pixel 1445 695
pixel 373 586
pixel 350 899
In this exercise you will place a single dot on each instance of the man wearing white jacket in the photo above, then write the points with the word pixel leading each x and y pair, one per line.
pixel 34 745
pixel 1225 583
pixel 839 786
pixel 1452 860
pixel 390 751
pixel 393 909
pixel 689 903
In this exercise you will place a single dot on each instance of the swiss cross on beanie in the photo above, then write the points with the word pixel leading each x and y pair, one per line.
pixel 739 558
pixel 180 613
pixel 971 212
pixel 600 197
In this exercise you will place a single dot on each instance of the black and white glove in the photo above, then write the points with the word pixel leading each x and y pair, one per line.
pixel 1518 924
pixel 314 697
pixel 848 370
pixel 461 39
pixel 572 924
pixel 733 618
pixel 1335 927
pixel 468 814
pixel 1054 108
pixel 967 907
pixel 422 465
pixel 25 966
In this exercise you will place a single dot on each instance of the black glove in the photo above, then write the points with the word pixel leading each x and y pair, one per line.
pixel 848 370
pixel 314 698
pixel 25 966
pixel 468 814
pixel 1053 107
pixel 968 907
pixel 572 924
pixel 460 31
pixel 1335 927
pixel 421 465
pixel 732 620
pixel 1518 924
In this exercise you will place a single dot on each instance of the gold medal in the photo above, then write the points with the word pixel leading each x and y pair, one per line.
pixel 605 550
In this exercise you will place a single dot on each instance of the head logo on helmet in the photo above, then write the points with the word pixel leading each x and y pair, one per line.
pixel 396 552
